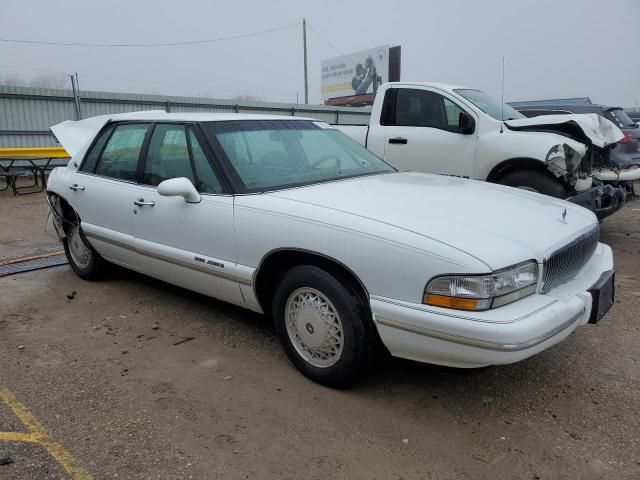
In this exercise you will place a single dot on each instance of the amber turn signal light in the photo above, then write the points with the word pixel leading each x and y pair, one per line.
pixel 451 302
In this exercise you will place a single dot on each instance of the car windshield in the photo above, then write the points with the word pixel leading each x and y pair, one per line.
pixel 488 105
pixel 274 154
pixel 620 118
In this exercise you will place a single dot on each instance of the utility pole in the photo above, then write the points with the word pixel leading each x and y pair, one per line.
pixel 78 97
pixel 304 41
pixel 75 88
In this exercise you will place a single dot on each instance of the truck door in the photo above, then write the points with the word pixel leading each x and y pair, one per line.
pixel 423 133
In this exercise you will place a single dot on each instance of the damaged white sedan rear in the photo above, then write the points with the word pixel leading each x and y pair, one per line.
pixel 293 219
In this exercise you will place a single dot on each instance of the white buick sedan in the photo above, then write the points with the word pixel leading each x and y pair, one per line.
pixel 291 218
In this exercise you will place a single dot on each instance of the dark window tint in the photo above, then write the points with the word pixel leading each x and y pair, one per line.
pixel 89 164
pixel 168 155
pixel 208 181
pixel 420 108
pixel 119 158
pixel 620 118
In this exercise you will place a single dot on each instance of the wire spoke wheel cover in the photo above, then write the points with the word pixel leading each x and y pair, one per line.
pixel 79 251
pixel 314 327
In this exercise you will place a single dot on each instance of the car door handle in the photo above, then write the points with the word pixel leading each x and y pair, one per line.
pixel 141 203
pixel 75 187
pixel 398 140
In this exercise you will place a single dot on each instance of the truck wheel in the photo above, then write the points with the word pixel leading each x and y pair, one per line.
pixel 82 257
pixel 534 181
pixel 323 326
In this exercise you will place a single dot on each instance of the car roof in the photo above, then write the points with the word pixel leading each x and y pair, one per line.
pixel 161 115
pixel 441 86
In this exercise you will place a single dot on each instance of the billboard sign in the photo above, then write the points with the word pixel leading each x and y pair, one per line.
pixel 355 74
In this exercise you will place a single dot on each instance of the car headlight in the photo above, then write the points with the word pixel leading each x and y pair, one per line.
pixel 481 292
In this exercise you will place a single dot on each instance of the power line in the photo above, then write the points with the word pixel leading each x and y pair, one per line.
pixel 330 44
pixel 135 45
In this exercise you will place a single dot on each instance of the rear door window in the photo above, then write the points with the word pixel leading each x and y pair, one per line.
pixel 168 155
pixel 119 158
pixel 620 118
pixel 90 161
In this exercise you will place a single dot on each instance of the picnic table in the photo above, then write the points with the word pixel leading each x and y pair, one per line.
pixel 36 162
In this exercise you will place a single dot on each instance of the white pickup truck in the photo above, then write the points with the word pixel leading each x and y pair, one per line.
pixel 443 129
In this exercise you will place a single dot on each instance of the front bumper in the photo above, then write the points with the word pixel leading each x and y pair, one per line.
pixel 603 200
pixel 623 175
pixel 503 335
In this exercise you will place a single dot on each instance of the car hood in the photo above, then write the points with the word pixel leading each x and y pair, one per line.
pixel 588 128
pixel 497 225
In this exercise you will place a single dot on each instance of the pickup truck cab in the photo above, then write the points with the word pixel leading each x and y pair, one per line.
pixel 444 129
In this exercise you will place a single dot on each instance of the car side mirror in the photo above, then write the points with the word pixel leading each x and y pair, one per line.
pixel 179 187
pixel 466 123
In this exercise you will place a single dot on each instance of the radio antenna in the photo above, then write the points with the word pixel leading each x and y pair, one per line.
pixel 502 98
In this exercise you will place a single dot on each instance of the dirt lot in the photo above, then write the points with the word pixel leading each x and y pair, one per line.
pixel 113 396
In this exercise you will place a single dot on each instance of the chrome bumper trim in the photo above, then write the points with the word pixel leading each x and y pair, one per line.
pixel 476 342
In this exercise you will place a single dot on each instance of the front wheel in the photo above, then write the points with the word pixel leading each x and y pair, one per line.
pixel 82 257
pixel 323 326
pixel 535 181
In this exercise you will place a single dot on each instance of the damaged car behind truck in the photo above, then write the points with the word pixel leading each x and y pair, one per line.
pixel 443 129
pixel 625 156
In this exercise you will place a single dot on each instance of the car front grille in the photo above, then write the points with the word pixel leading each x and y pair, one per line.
pixel 563 264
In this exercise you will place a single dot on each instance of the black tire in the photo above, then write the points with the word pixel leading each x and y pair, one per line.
pixel 535 180
pixel 358 336
pixel 94 267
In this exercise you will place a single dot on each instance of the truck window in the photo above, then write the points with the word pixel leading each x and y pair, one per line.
pixel 420 108
pixel 452 112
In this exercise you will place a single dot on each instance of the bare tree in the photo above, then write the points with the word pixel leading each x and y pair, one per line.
pixel 248 98
pixel 13 80
pixel 50 80
pixel 43 80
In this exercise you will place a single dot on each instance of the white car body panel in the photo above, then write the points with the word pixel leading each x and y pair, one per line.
pixel 393 231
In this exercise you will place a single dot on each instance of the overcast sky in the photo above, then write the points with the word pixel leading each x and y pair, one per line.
pixel 552 48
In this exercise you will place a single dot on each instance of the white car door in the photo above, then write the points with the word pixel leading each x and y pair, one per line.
pixel 422 134
pixel 102 187
pixel 187 244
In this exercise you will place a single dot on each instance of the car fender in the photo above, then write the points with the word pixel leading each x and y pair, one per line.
pixel 264 224
pixel 559 154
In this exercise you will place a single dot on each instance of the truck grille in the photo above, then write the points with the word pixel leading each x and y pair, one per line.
pixel 563 264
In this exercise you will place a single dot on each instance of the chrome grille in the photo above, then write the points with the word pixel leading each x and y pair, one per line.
pixel 563 264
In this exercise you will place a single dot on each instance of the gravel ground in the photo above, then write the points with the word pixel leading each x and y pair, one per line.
pixel 102 373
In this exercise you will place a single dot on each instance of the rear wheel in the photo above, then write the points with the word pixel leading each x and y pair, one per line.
pixel 83 258
pixel 323 326
pixel 535 181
